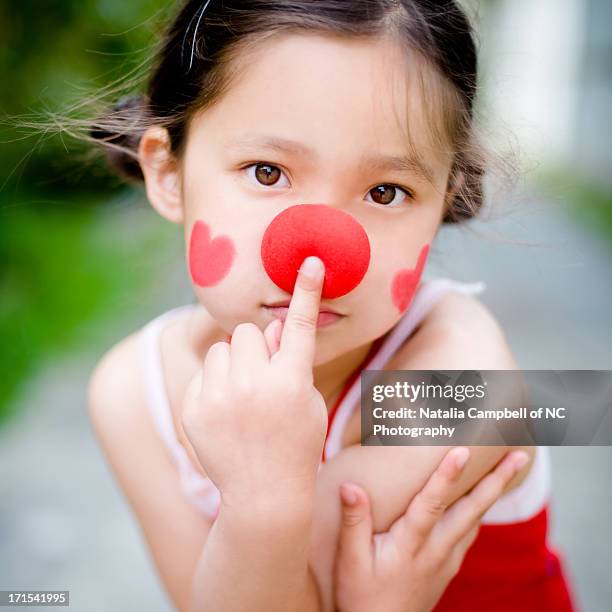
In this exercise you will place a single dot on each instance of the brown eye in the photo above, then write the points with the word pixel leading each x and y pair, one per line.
pixel 386 195
pixel 267 174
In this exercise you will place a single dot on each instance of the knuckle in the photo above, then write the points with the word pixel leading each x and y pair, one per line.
pixel 350 519
pixel 481 504
pixel 470 507
pixel 302 321
pixel 432 505
pixel 480 507
pixel 496 489
pixel 436 560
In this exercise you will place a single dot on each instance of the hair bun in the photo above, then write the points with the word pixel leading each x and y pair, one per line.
pixel 119 131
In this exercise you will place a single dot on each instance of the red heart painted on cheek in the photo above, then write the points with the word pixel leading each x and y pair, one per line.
pixel 209 260
pixel 405 282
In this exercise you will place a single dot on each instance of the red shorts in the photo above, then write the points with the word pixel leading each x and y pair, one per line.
pixel 510 567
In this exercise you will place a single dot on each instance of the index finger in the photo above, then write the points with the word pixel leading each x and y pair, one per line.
pixel 300 327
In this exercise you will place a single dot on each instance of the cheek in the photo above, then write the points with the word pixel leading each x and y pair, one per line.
pixel 405 282
pixel 210 260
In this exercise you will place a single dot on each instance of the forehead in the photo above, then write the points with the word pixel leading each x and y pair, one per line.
pixel 340 98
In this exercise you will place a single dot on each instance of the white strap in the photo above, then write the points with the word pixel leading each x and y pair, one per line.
pixel 200 490
pixel 155 389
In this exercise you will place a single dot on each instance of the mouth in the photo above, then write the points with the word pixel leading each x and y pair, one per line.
pixel 285 304
pixel 327 315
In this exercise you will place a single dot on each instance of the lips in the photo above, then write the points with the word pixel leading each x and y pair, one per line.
pixel 325 317
pixel 285 304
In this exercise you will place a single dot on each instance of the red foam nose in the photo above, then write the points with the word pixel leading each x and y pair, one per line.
pixel 334 236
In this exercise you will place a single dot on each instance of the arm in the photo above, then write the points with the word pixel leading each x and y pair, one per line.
pixel 173 530
pixel 255 558
pixel 240 413
pixel 472 341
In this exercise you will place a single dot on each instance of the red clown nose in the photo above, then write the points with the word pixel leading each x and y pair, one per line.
pixel 334 236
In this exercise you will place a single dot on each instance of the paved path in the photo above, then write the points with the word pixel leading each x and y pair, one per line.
pixel 64 525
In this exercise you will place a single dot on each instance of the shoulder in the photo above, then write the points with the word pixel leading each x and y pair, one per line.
pixel 117 413
pixel 116 406
pixel 459 332
pixel 463 311
pixel 118 379
pixel 115 383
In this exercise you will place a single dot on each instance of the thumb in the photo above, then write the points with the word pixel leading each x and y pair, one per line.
pixel 355 538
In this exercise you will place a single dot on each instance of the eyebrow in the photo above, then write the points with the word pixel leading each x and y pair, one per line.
pixel 392 163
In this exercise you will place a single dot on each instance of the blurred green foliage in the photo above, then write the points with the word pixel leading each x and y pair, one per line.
pixel 591 203
pixel 51 60
pixel 588 201
pixel 69 270
pixel 62 265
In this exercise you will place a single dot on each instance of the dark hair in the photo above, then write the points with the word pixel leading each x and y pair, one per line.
pixel 198 57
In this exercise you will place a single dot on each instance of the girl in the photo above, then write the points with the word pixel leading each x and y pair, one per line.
pixel 271 132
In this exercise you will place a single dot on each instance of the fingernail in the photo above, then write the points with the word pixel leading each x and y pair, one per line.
pixel 461 457
pixel 312 267
pixel 521 460
pixel 349 497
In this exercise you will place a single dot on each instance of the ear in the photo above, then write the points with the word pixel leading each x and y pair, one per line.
pixel 161 174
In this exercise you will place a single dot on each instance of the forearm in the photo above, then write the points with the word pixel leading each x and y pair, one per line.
pixel 255 558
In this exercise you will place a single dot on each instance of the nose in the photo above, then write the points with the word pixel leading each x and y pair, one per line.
pixel 333 235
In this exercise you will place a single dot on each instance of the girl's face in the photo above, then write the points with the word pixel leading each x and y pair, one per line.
pixel 312 120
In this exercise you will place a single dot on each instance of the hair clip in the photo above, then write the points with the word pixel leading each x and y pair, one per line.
pixel 199 15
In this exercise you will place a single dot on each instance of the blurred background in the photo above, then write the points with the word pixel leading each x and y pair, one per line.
pixel 86 261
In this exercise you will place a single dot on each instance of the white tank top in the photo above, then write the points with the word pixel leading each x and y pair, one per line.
pixel 518 504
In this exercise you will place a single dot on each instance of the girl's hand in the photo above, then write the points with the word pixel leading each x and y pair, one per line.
pixel 409 567
pixel 253 415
